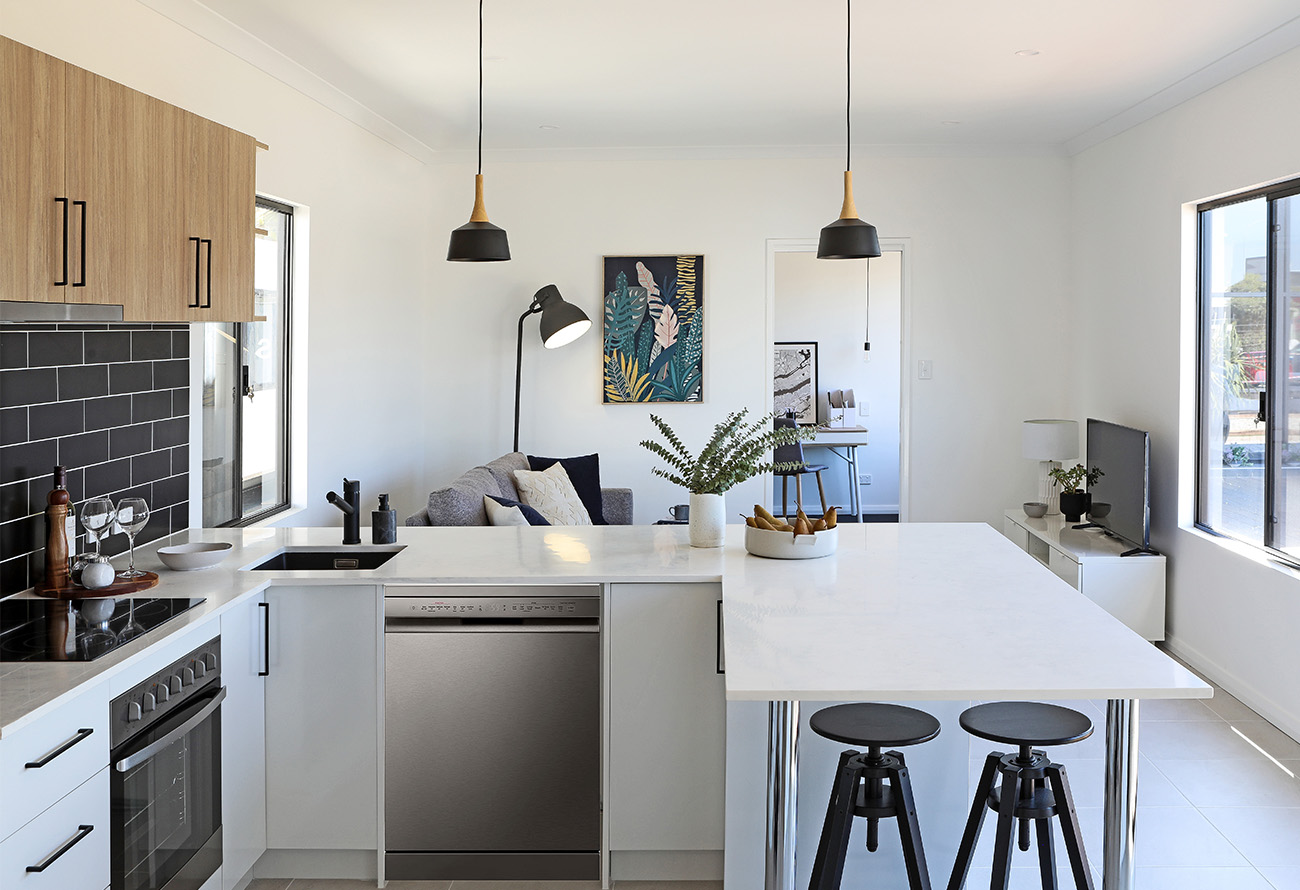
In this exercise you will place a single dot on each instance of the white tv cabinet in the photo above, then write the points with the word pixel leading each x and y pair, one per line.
pixel 1132 588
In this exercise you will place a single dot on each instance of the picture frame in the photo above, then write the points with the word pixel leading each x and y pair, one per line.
pixel 653 318
pixel 794 380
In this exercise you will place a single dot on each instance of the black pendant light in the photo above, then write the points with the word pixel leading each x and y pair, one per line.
pixel 478 241
pixel 848 238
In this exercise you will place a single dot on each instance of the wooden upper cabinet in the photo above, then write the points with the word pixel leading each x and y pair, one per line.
pixel 31 175
pixel 160 202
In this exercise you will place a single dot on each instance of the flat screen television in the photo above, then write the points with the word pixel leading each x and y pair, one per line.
pixel 1123 454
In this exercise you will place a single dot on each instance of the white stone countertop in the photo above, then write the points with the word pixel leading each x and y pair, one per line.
pixel 921 611
pixel 908 612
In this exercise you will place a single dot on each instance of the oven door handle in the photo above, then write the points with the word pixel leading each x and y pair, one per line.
pixel 132 760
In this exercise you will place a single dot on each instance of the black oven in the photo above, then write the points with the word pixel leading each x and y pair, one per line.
pixel 166 776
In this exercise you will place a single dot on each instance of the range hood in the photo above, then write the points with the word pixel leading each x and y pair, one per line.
pixel 19 311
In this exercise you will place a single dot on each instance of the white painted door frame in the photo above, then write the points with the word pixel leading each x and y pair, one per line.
pixel 904 246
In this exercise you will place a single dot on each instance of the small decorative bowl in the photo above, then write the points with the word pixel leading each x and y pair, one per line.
pixel 1099 510
pixel 193 556
pixel 1035 509
pixel 787 545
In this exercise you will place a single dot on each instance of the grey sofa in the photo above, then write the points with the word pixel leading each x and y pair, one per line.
pixel 461 503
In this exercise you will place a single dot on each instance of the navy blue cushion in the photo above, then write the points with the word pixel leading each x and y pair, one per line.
pixel 533 517
pixel 584 473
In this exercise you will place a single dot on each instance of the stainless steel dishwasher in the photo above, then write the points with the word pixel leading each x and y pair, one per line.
pixel 492 732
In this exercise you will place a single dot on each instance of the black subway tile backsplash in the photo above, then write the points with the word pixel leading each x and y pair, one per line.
pixel 82 382
pixel 107 347
pixel 29 387
pixel 56 419
pixel 56 407
pixel 54 348
pixel 130 377
pixel 108 412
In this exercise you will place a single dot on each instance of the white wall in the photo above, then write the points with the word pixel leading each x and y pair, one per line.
pixel 370 230
pixel 990 244
pixel 1234 616
pixel 826 302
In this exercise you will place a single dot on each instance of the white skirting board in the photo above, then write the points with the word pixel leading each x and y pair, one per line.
pixel 357 865
pixel 666 865
pixel 1232 684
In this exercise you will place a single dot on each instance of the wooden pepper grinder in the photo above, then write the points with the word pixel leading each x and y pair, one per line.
pixel 56 531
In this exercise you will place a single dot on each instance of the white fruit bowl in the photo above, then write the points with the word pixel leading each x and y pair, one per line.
pixel 787 545
pixel 193 556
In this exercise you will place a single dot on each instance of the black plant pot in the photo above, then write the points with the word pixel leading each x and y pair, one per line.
pixel 1074 504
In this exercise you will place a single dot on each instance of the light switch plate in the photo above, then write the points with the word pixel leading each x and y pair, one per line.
pixel 864 409
pixel 925 369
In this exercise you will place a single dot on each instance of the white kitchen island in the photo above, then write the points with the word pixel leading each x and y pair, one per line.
pixel 930 612
pixel 943 613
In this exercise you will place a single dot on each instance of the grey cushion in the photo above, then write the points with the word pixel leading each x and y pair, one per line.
pixel 461 503
pixel 616 504
pixel 503 471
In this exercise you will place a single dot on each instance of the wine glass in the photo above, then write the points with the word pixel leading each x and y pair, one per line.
pixel 132 516
pixel 96 516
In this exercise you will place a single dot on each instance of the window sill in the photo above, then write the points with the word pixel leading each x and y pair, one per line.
pixel 1257 555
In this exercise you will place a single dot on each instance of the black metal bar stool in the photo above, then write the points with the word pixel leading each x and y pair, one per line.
pixel 1033 789
pixel 860 790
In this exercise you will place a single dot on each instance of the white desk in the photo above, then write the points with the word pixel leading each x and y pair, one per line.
pixel 915 612
pixel 848 438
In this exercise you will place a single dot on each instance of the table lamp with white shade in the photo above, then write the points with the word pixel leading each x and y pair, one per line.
pixel 1049 442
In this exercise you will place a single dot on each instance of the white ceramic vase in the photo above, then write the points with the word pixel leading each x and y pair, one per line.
pixel 708 521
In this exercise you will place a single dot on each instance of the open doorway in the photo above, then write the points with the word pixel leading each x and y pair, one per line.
pixel 841 306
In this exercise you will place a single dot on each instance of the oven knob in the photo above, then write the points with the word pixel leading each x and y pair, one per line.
pixel 133 712
pixel 187 676
pixel 209 661
pixel 161 692
pixel 148 703
pixel 200 670
pixel 175 683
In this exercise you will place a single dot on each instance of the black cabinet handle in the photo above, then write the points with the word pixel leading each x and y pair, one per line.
pixel 81 736
pixel 721 666
pixel 63 282
pixel 198 247
pixel 208 304
pixel 82 831
pixel 266 639
pixel 82 205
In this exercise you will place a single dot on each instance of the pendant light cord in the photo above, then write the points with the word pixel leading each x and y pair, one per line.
pixel 480 87
pixel 848 84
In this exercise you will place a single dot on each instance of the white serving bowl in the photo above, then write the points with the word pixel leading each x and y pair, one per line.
pixel 787 545
pixel 193 556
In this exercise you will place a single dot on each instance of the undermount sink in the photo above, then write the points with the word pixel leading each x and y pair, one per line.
pixel 315 559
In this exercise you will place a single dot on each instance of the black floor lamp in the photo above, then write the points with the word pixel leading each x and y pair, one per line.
pixel 561 324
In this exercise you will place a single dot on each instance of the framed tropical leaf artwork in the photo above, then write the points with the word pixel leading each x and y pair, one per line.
pixel 654 328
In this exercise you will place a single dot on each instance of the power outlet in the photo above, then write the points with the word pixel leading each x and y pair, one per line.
pixel 864 409
pixel 864 478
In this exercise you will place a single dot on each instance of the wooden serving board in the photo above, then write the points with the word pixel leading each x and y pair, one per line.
pixel 119 587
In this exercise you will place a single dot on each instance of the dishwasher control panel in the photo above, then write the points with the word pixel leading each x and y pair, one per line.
pixel 523 602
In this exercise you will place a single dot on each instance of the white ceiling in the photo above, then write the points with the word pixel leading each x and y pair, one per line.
pixel 748 76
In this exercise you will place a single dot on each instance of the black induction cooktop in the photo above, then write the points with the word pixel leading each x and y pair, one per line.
pixel 79 630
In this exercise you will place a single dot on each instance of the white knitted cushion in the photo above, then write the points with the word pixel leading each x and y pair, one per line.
pixel 500 514
pixel 550 493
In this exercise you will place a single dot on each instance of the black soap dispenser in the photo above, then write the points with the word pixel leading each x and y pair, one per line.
pixel 383 523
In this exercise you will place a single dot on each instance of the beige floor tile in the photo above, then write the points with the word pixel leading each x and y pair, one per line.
pixel 419 885
pixel 667 885
pixel 1200 879
pixel 1240 782
pixel 1266 836
pixel 525 885
pixel 1282 878
pixel 1192 740
pixel 1021 878
pixel 1267 736
pixel 269 884
pixel 1157 710
pixel 1228 707
pixel 330 884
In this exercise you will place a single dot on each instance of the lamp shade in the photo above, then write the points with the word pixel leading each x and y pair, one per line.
pixel 848 239
pixel 562 322
pixel 478 242
pixel 1049 439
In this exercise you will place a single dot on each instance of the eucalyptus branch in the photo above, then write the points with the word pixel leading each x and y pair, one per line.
pixel 736 451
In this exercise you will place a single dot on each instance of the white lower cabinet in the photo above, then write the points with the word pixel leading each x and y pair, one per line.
pixel 667 719
pixel 68 843
pixel 243 740
pixel 322 721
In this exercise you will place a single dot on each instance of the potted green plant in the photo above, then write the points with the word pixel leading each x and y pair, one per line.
pixel 1074 500
pixel 735 452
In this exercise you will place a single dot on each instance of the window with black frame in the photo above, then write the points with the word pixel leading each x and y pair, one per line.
pixel 1248 455
pixel 246 389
